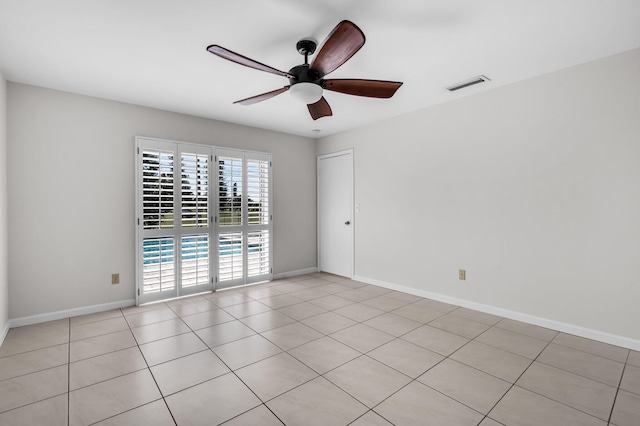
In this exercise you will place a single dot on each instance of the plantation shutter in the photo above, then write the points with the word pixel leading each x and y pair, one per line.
pixel 258 216
pixel 195 230
pixel 157 200
pixel 244 217
pixel 203 218
pixel 231 187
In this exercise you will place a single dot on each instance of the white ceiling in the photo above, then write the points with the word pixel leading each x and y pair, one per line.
pixel 153 52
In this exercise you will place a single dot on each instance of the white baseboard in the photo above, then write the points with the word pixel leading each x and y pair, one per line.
pixel 576 330
pixel 35 319
pixel 4 331
pixel 294 273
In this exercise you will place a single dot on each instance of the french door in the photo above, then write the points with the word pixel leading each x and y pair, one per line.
pixel 203 218
pixel 244 218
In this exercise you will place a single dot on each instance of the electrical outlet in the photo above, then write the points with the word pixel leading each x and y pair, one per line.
pixel 462 274
pixel 115 278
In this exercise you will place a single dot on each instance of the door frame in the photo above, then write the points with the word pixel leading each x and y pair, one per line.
pixel 349 151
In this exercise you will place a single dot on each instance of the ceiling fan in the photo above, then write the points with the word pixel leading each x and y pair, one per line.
pixel 307 81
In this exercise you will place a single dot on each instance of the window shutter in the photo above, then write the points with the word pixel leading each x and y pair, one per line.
pixel 258 192
pixel 230 263
pixel 229 191
pixel 195 190
pixel 157 189
pixel 258 253
pixel 158 270
pixel 195 260
pixel 194 214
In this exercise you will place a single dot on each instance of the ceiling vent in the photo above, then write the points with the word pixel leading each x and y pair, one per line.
pixel 467 83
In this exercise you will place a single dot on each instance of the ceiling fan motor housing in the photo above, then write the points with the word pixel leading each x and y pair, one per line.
pixel 304 74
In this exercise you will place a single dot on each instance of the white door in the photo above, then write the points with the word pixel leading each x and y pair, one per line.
pixel 335 213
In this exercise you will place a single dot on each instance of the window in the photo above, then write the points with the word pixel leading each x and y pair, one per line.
pixel 188 196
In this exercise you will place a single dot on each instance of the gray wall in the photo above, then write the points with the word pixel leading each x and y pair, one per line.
pixel 4 277
pixel 533 188
pixel 71 194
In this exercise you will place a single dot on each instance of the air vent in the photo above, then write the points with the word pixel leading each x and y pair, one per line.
pixel 467 83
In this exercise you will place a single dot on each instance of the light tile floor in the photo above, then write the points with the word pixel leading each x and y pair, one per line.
pixel 311 350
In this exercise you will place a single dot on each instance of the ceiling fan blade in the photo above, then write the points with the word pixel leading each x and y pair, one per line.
pixel 368 88
pixel 341 44
pixel 262 97
pixel 243 60
pixel 320 109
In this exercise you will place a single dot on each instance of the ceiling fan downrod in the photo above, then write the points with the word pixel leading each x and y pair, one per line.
pixel 306 47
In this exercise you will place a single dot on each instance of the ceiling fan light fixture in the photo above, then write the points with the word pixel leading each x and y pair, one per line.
pixel 308 93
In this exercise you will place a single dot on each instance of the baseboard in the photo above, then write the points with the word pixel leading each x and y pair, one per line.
pixel 4 331
pixel 588 333
pixel 35 319
pixel 294 273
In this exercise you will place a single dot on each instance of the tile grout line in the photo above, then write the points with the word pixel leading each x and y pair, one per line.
pixel 442 360
pixel 550 342
pixel 410 381
pixel 369 410
pixel 150 372
pixel 287 352
pixel 239 378
pixel 591 353
pixel 518 378
pixel 430 368
pixel 366 353
pixel 582 376
pixel 131 409
pixel 233 371
pixel 547 397
pixel 615 398
pixel 436 390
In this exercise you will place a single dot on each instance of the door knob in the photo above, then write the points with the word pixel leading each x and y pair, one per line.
pixel 347 223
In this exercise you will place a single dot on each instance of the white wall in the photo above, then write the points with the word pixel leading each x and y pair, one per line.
pixel 4 277
pixel 533 188
pixel 71 194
